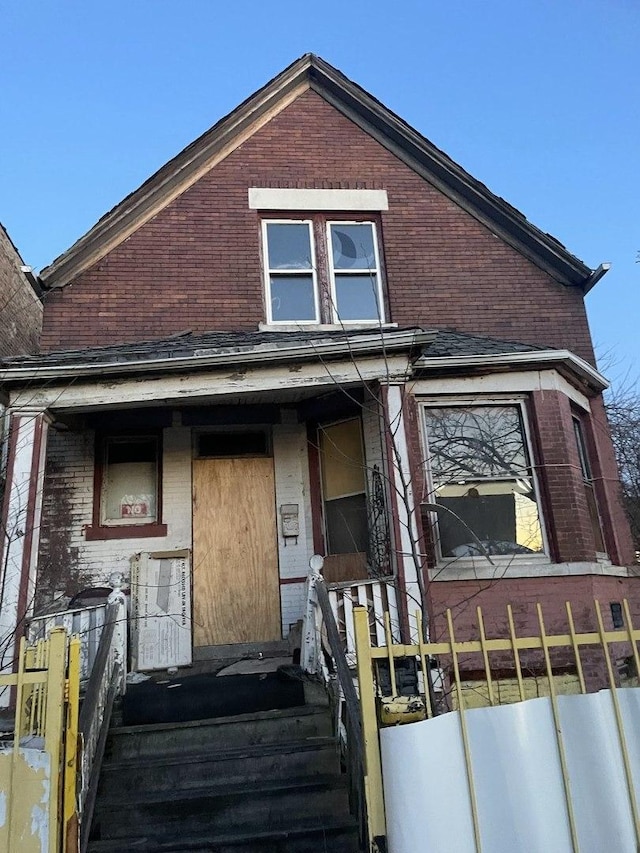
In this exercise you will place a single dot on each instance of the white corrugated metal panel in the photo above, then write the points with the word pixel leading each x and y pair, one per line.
pixel 517 778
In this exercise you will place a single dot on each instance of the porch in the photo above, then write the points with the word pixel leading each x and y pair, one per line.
pixel 207 491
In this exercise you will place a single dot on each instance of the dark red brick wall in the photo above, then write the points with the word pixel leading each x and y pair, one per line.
pixel 493 596
pixel 464 597
pixel 568 521
pixel 196 265
pixel 617 535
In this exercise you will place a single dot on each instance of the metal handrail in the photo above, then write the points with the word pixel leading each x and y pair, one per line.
pixel 352 743
pixel 105 682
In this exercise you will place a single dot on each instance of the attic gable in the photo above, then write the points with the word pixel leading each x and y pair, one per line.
pixel 311 72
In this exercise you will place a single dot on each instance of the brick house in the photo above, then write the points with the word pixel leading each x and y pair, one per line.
pixel 313 332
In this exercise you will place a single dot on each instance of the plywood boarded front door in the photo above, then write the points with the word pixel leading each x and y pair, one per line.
pixel 236 593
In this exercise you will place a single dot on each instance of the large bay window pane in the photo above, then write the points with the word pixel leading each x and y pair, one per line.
pixel 589 492
pixel 482 481
pixel 129 481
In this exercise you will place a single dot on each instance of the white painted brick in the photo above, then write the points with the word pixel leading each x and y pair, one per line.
pixel 70 463
pixel 291 479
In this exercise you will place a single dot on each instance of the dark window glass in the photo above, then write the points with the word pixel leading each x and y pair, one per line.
pixel 214 444
pixel 292 297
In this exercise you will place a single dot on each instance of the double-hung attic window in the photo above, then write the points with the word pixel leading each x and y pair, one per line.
pixel 322 271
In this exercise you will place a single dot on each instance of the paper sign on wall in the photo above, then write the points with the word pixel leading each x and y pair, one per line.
pixel 161 602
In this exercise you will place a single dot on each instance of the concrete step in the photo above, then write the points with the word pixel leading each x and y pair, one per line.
pixel 277 761
pixel 243 651
pixel 259 807
pixel 330 835
pixel 199 736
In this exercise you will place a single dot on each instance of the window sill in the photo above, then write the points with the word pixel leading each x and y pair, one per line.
pixel 324 327
pixel 94 532
pixel 457 570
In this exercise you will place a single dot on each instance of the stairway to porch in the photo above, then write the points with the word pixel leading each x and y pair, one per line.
pixel 267 781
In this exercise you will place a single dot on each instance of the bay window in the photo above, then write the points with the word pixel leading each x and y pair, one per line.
pixel 482 481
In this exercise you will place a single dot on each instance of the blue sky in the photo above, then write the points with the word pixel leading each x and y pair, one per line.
pixel 536 98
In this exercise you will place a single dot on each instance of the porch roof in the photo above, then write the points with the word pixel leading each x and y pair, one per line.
pixel 186 351
pixel 440 349
pixel 441 342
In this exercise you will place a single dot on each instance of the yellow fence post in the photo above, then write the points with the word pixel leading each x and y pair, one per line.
pixel 71 838
pixel 373 763
pixel 56 677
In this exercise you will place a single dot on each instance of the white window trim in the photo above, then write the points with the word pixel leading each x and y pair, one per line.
pixel 318 284
pixel 332 274
pixel 268 271
pixel 479 567
pixel 481 570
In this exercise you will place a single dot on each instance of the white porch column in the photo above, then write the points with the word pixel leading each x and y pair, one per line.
pixel 20 530
pixel 402 499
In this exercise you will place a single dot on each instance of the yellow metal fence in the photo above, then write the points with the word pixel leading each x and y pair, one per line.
pixel 38 769
pixel 560 669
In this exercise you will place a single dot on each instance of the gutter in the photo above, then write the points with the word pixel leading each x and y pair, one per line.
pixel 596 275
pixel 210 357
pixel 578 366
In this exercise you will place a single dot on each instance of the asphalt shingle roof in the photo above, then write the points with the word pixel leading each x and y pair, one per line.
pixel 186 344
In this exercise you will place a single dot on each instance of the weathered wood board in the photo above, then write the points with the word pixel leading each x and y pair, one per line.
pixel 236 593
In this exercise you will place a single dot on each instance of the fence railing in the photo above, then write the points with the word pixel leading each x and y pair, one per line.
pixel 378 596
pixel 491 671
pixel 85 622
pixel 106 681
pixel 329 651
pixel 101 632
pixel 38 767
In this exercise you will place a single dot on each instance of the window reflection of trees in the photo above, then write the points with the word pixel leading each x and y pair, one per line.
pixel 479 442
pixel 482 480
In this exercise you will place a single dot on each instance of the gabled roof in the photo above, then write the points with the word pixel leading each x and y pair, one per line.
pixel 312 72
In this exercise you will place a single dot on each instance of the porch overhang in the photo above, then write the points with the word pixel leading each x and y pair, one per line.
pixel 271 370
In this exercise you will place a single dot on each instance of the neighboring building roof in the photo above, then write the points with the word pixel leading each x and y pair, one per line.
pixel 25 270
pixel 312 72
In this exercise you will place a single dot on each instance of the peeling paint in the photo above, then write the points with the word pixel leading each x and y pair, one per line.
pixel 40 826
pixel 36 759
pixel 25 790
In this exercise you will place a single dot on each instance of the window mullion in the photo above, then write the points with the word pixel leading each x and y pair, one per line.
pixel 322 269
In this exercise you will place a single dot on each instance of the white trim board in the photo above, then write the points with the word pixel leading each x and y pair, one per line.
pixel 518 382
pixel 517 568
pixel 268 198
